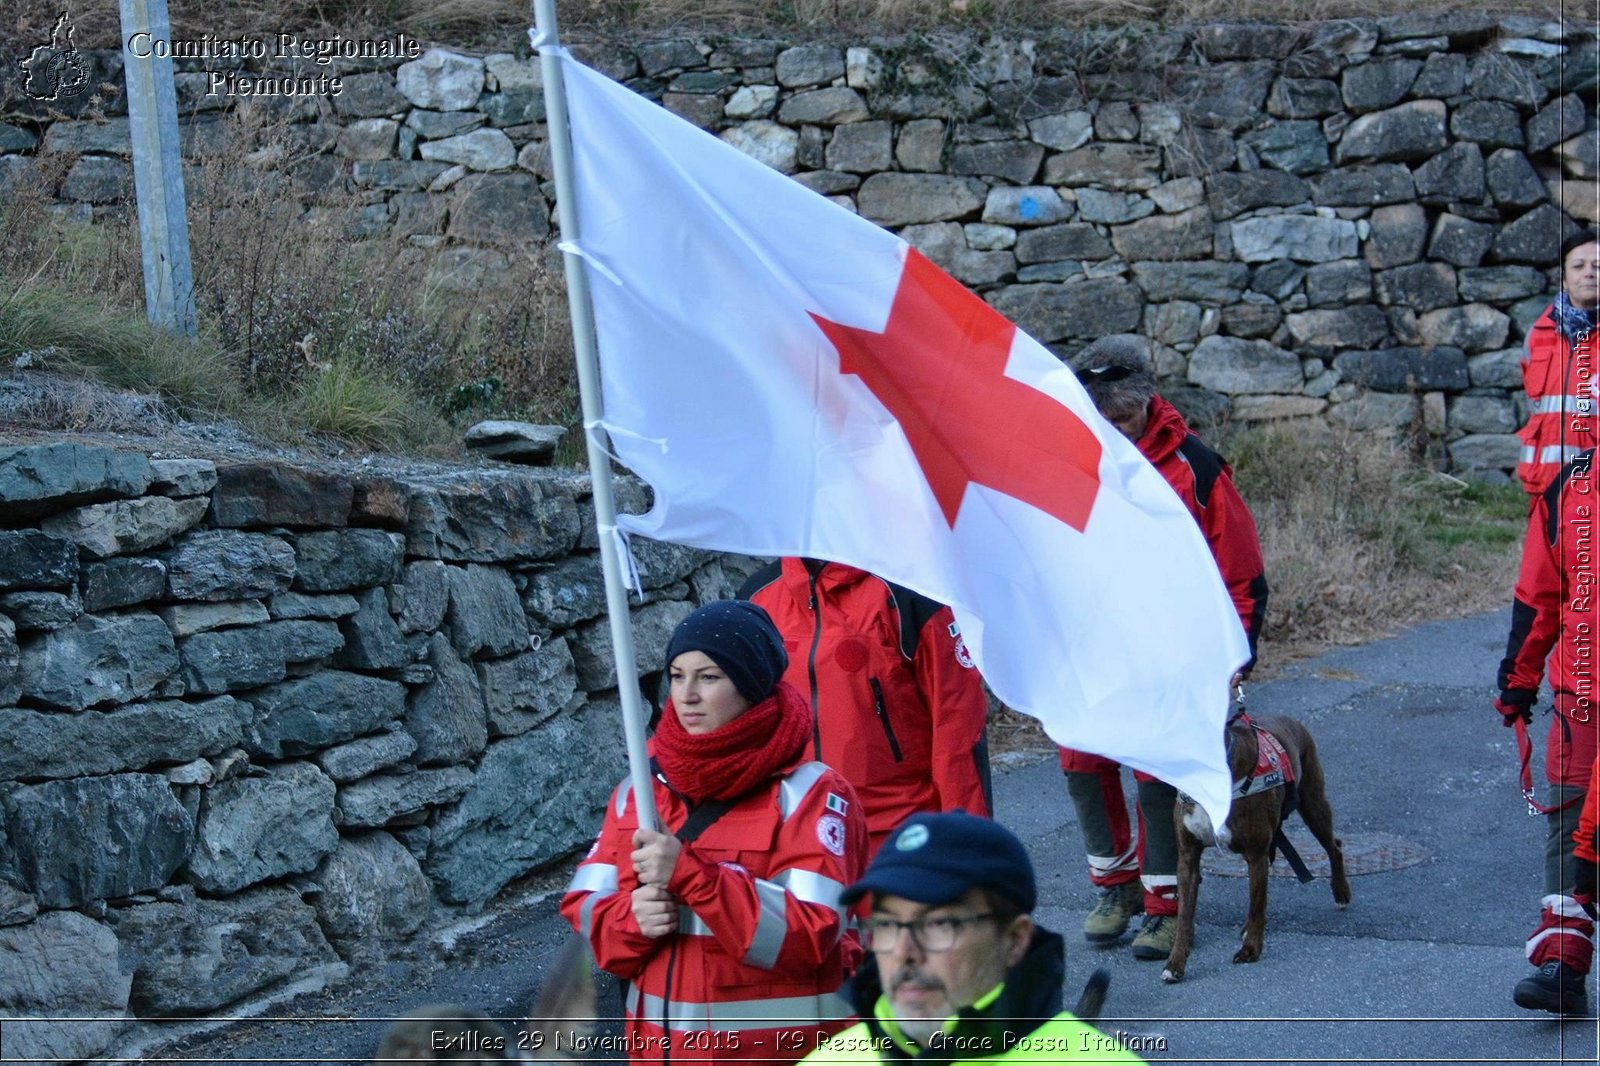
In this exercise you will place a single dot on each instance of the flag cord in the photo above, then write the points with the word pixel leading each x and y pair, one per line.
pixel 613 430
pixel 545 38
pixel 574 248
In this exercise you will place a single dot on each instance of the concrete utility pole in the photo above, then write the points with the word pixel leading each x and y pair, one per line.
pixel 158 169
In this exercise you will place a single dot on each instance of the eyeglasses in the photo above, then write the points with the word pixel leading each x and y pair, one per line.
pixel 929 934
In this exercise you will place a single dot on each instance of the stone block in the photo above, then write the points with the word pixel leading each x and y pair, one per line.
pixel 62 976
pixel 1073 240
pixel 259 828
pixel 1534 237
pixel 31 559
pixel 38 479
pixel 182 477
pixel 90 838
pixel 1378 84
pixel 135 736
pixel 441 80
pixel 595 659
pixel 1481 414
pixel 1411 131
pixel 1085 309
pixel 97 660
pixel 1474 327
pixel 232 659
pixel 371 887
pixel 1486 451
pixel 1420 286
pixel 1405 369
pixel 1305 238
pixel 369 96
pixel 329 707
pixel 343 559
pixel 1362 326
pixel 1063 132
pixel 524 809
pixel 373 802
pixel 1294 98
pixel 122 582
pixel 1397 236
pixel 498 210
pixel 446 716
pixel 372 640
pixel 1299 147
pixel 522 691
pixel 488 517
pixel 1233 193
pixel 1455 174
pixel 921 145
pixel 894 199
pixel 824 107
pixel 1233 365
pixel 1211 283
pixel 1459 241
pixel 1363 186
pixel 1375 412
pixel 120 527
pixel 809 64
pixel 861 147
pixel 1128 167
pixel 1341 282
pixel 945 245
pixel 1181 236
pixel 1013 161
pixel 272 494
pixel 1031 205
pixel 358 758
pixel 1501 284
pixel 1512 180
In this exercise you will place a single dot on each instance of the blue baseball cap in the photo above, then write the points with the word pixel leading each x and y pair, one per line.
pixel 936 858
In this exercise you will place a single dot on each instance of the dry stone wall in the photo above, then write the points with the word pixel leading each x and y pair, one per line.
pixel 257 721
pixel 1349 223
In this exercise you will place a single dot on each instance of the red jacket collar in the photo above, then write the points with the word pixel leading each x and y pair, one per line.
pixel 1165 430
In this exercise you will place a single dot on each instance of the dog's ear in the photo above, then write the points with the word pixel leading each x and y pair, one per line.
pixel 566 1000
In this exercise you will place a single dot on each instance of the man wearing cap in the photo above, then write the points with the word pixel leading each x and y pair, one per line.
pixel 958 970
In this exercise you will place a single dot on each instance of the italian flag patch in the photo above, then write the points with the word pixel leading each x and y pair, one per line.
pixel 837 803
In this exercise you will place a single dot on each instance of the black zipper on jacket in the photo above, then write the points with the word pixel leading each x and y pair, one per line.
pixel 883 716
pixel 811 666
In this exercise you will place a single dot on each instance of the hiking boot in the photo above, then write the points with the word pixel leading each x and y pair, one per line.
pixel 1555 987
pixel 1110 917
pixel 1155 937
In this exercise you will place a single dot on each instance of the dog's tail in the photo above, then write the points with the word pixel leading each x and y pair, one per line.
pixel 1093 997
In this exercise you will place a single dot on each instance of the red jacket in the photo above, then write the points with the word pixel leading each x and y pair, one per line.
pixel 752 970
pixel 1560 379
pixel 1587 836
pixel 1204 481
pixel 1553 615
pixel 899 709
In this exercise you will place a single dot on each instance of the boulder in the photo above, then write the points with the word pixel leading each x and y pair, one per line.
pixel 1298 147
pixel 342 559
pixel 33 560
pixel 373 802
pixel 1128 167
pixel 1367 185
pixel 1305 238
pixel 1397 236
pixel 97 660
pixel 832 106
pixel 122 582
pixel 1013 161
pixel 259 828
pixel 1455 174
pixel 90 838
pixel 1070 240
pixel 1362 326
pixel 807 64
pixel 1379 84
pixel 1474 327
pixel 356 759
pixel 766 142
pixel 893 199
pixel 1420 286
pixel 1459 241
pixel 1512 180
pixel 861 147
pixel 482 149
pixel 1405 369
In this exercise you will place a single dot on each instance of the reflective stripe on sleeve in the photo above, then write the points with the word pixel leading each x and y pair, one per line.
pixel 1571 405
pixel 691 924
pixel 737 1015
pixel 796 785
pixel 771 927
pixel 594 877
pixel 810 887
pixel 624 790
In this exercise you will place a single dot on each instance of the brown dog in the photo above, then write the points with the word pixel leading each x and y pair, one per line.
pixel 1253 822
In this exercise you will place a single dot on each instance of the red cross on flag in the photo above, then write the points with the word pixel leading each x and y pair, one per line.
pixel 793 380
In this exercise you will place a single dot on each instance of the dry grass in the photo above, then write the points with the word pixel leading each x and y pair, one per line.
pixel 499 23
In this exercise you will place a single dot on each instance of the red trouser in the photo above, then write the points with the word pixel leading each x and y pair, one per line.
pixel 1157 872
pixel 1564 932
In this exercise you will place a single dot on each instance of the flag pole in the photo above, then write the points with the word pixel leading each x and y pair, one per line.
pixel 583 343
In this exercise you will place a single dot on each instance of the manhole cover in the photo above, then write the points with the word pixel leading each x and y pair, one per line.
pixel 1364 853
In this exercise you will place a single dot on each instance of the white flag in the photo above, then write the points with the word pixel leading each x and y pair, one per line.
pixel 793 380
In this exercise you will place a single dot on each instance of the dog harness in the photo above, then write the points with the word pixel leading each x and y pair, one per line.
pixel 1273 768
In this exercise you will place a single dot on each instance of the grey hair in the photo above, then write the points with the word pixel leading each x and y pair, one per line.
pixel 1129 395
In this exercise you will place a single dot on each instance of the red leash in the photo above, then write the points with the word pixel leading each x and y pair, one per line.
pixel 1525 750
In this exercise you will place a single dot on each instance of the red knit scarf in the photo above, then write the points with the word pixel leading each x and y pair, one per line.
pixel 727 762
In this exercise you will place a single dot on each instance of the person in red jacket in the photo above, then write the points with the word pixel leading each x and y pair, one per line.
pixel 1553 620
pixel 727 926
pixel 1559 372
pixel 1117 373
pixel 898 707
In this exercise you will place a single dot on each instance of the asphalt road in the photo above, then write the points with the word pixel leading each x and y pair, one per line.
pixel 1445 866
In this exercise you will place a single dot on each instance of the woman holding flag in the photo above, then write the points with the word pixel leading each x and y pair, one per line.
pixel 728 929
pixel 1558 369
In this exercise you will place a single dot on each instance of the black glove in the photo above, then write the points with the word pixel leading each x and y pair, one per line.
pixel 1586 888
pixel 1516 703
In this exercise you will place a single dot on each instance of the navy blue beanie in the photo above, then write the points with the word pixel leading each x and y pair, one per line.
pixel 936 858
pixel 740 638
